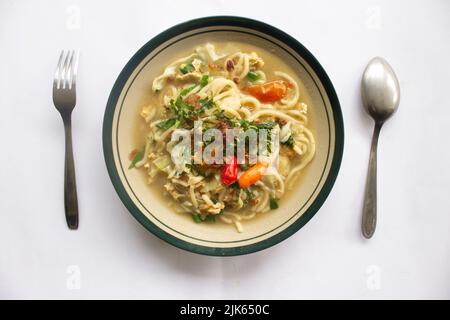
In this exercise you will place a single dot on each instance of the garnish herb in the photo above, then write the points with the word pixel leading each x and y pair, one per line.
pixel 245 166
pixel 289 142
pixel 245 124
pixel 273 204
pixel 204 104
pixel 138 157
pixel 250 194
pixel 253 76
pixel 204 80
pixel 210 218
pixel 166 124
pixel 265 125
pixel 181 109
pixel 198 219
pixel 188 67
pixel 222 116
pixel 185 91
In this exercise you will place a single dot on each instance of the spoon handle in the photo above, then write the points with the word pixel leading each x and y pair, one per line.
pixel 369 218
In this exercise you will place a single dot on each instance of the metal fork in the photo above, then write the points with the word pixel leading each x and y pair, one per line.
pixel 64 98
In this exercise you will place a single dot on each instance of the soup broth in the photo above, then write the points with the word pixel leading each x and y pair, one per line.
pixel 226 85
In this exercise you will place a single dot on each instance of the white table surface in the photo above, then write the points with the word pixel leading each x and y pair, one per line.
pixel 113 256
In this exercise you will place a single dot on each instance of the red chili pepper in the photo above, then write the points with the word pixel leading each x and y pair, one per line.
pixel 229 171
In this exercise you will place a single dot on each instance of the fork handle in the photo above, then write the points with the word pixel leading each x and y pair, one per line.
pixel 70 186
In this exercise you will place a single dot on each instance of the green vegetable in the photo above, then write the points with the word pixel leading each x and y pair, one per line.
pixel 253 76
pixel 250 194
pixel 210 218
pixel 138 157
pixel 221 115
pixel 185 91
pixel 183 106
pixel 204 104
pixel 162 162
pixel 235 186
pixel 204 80
pixel 273 204
pixel 166 124
pixel 289 142
pixel 181 109
pixel 245 124
pixel 265 125
pixel 188 67
pixel 196 217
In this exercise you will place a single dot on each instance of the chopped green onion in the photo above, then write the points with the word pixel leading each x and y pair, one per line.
pixel 207 104
pixel 210 218
pixel 245 124
pixel 290 142
pixel 180 104
pixel 181 108
pixel 221 115
pixel 273 204
pixel 185 91
pixel 204 80
pixel 235 186
pixel 253 76
pixel 265 125
pixel 138 157
pixel 188 67
pixel 196 217
pixel 166 124
pixel 204 104
pixel 250 195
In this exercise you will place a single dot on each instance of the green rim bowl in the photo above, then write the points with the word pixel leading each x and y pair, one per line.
pixel 179 230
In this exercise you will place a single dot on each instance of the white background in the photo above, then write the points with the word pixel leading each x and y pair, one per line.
pixel 115 257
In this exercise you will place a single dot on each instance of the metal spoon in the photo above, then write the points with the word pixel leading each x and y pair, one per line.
pixel 380 93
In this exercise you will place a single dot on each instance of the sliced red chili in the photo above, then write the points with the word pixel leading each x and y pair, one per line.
pixel 229 171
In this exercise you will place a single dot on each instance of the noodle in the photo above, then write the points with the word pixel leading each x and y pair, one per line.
pixel 223 90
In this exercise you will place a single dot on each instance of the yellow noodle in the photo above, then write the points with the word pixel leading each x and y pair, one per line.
pixel 194 193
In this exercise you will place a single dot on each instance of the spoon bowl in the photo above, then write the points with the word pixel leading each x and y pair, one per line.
pixel 380 90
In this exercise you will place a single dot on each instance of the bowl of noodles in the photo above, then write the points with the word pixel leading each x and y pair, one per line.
pixel 223 136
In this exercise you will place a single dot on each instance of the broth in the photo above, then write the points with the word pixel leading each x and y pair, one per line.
pixel 272 65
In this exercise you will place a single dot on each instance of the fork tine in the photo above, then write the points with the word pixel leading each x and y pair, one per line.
pixel 69 75
pixel 57 78
pixel 65 70
pixel 75 68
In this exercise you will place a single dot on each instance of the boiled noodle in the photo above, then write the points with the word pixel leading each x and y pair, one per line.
pixel 224 90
